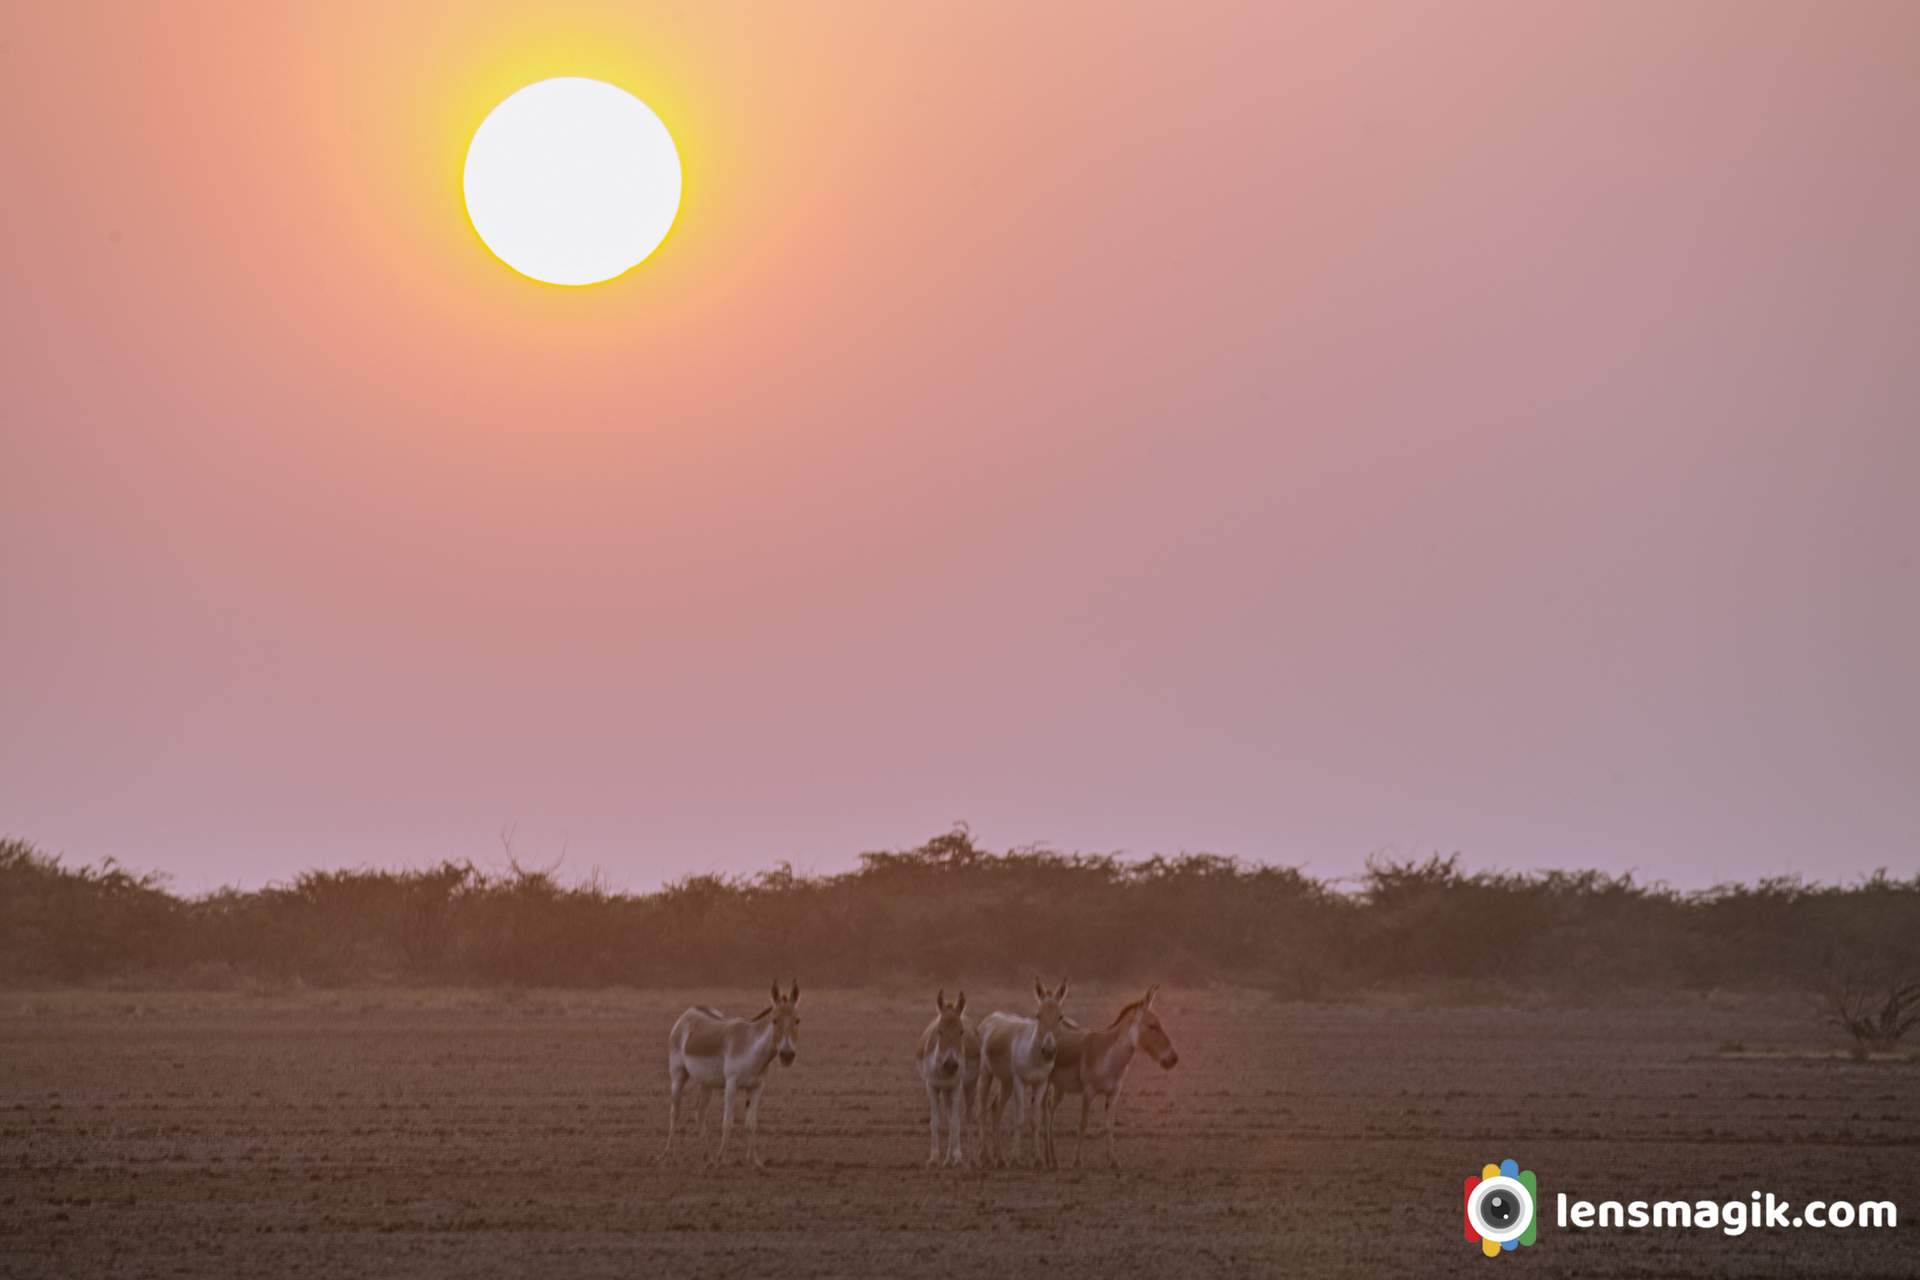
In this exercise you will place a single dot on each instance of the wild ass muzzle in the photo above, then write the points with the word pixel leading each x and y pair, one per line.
pixel 949 1059
pixel 1092 1063
pixel 1016 1058
pixel 712 1051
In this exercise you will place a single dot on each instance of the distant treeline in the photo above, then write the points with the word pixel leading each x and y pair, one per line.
pixel 950 910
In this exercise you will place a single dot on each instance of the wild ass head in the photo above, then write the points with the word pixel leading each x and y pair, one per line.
pixel 785 1016
pixel 1149 1035
pixel 949 1034
pixel 1049 1016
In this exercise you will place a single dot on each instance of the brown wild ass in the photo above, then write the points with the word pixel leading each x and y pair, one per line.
pixel 1096 1062
pixel 949 1059
pixel 1016 1058
pixel 709 1051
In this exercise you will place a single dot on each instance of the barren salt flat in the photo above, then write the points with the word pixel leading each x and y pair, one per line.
pixel 471 1133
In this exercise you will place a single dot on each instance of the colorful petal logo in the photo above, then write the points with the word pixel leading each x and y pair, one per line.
pixel 1500 1212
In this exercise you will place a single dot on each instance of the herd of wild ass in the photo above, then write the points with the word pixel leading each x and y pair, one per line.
pixel 969 1071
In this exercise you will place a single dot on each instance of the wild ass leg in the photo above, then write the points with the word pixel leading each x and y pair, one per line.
pixel 700 1101
pixel 1113 1122
pixel 726 1123
pixel 1002 1124
pixel 754 1157
pixel 990 1102
pixel 676 1081
pixel 997 1100
pixel 1080 1144
pixel 957 1128
pixel 973 1123
pixel 1053 1104
pixel 987 1137
pixel 933 1124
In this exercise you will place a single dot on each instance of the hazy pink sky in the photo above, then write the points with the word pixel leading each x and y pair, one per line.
pixel 1292 430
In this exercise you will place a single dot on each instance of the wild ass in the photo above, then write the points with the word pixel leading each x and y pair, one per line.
pixel 949 1059
pixel 1096 1062
pixel 1016 1057
pixel 710 1050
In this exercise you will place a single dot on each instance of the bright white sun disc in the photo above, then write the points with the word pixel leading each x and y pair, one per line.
pixel 572 181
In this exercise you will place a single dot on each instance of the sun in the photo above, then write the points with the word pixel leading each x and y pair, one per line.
pixel 572 181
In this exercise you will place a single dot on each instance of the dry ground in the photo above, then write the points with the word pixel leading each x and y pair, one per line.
pixel 474 1134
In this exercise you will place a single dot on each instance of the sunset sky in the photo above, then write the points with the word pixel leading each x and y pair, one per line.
pixel 1287 430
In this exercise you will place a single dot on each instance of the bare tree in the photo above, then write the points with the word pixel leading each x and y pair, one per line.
pixel 1876 1010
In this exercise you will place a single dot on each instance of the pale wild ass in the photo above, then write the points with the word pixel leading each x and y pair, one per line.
pixel 1094 1063
pixel 712 1051
pixel 1016 1058
pixel 949 1059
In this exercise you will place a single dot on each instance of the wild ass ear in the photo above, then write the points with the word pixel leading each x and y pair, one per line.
pixel 960 1005
pixel 1148 1002
pixel 777 997
pixel 940 999
pixel 793 997
pixel 1039 989
pixel 1061 994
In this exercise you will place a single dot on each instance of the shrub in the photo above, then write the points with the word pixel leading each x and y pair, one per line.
pixel 951 909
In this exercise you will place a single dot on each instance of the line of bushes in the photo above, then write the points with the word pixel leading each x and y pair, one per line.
pixel 951 909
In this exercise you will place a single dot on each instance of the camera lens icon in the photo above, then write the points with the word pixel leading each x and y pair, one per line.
pixel 1500 1207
